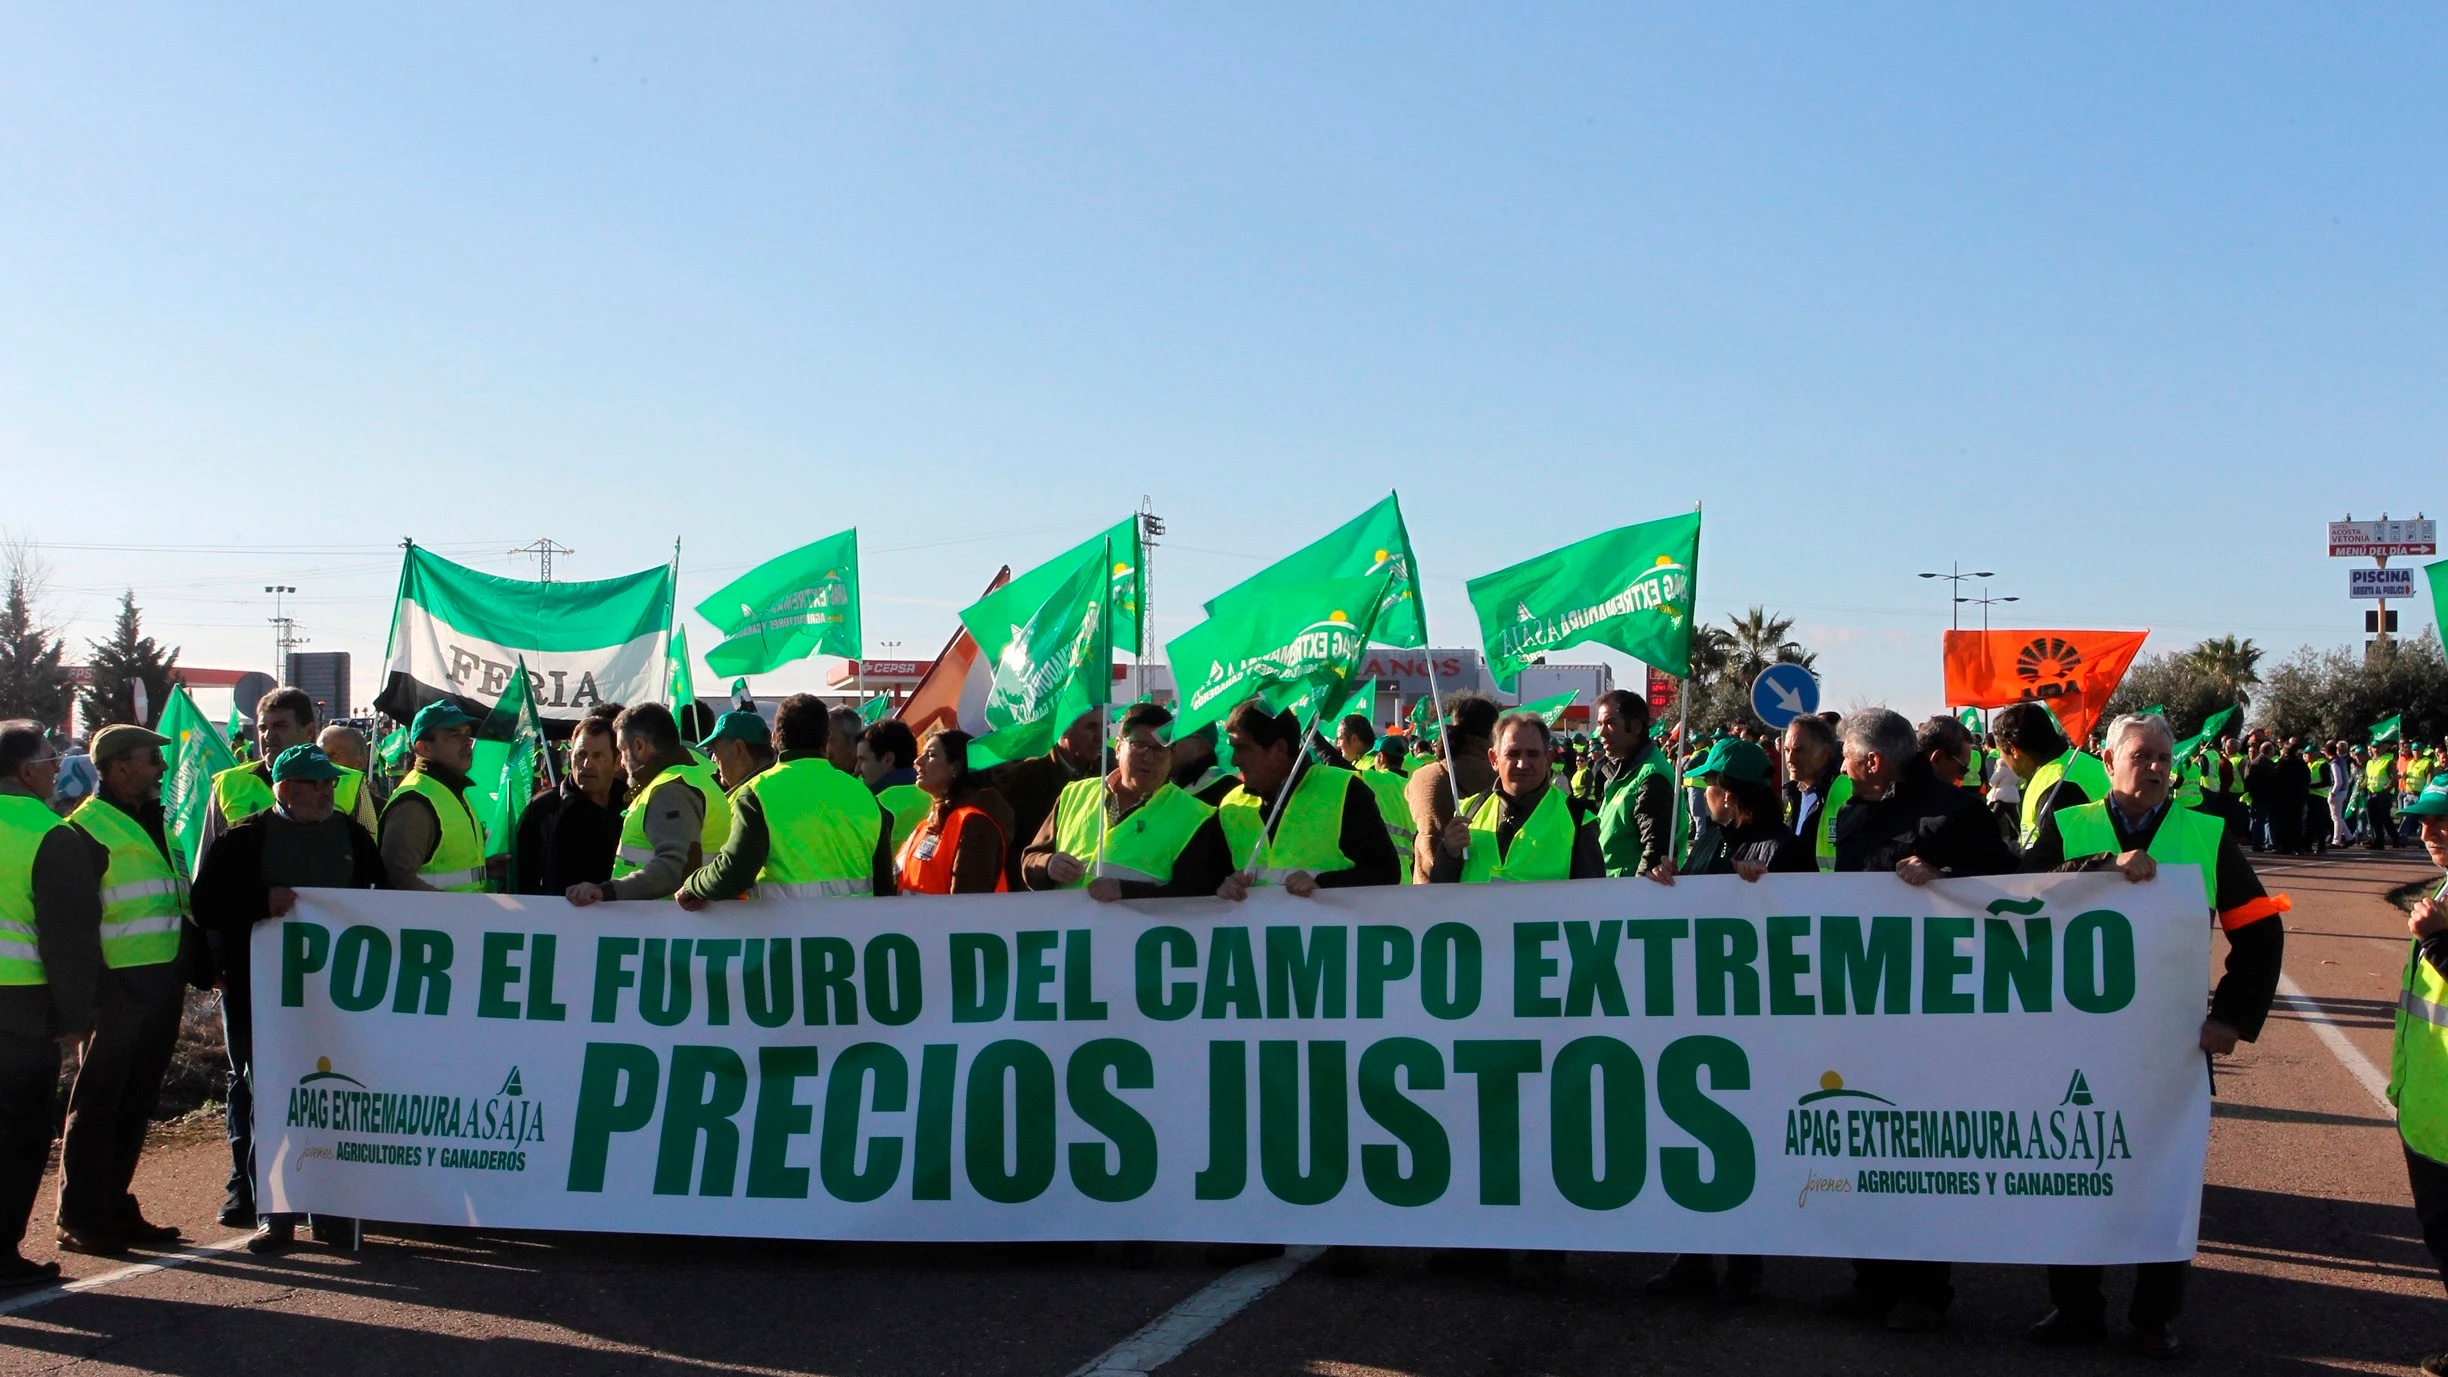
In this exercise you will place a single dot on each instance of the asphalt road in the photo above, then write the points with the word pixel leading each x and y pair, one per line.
pixel 2309 1261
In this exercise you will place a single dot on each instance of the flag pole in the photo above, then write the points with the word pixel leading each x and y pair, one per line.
pixel 1682 745
pixel 1104 617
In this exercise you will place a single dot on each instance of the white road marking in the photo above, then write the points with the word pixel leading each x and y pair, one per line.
pixel 1165 1337
pixel 192 1253
pixel 2348 1055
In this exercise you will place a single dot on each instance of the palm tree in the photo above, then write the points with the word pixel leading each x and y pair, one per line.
pixel 1758 640
pixel 2231 664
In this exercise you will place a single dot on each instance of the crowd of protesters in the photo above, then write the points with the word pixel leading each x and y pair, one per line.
pixel 812 802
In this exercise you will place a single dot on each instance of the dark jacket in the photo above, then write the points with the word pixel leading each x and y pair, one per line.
pixel 232 891
pixel 566 838
pixel 1764 840
pixel 1945 826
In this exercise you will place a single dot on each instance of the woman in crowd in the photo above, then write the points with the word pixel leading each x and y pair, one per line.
pixel 959 848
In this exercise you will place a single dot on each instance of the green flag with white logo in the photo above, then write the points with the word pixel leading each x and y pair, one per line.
pixel 788 608
pixel 1551 710
pixel 1295 646
pixel 1051 656
pixel 1118 546
pixel 679 681
pixel 1630 588
pixel 195 754
pixel 875 709
pixel 1373 543
pixel 2388 730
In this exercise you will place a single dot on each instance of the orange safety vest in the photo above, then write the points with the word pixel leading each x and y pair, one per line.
pixel 925 863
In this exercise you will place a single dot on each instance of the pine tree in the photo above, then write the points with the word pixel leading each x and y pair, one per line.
pixel 33 683
pixel 125 660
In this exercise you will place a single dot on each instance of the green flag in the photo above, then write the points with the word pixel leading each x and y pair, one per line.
pixel 195 754
pixel 741 699
pixel 1550 710
pixel 1295 646
pixel 2388 730
pixel 392 751
pixel 1118 546
pixel 237 734
pixel 680 681
pixel 875 709
pixel 509 748
pixel 1360 702
pixel 2437 573
pixel 788 608
pixel 1052 660
pixel 1630 588
pixel 1372 543
pixel 2218 725
pixel 1971 718
pixel 1425 721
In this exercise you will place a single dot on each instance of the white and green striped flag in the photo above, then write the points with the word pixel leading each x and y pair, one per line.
pixel 457 633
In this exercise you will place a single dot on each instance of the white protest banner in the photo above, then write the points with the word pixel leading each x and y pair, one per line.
pixel 1828 1065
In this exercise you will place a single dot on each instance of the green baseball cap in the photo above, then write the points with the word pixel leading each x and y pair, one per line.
pixel 441 715
pixel 738 725
pixel 1734 758
pixel 304 762
pixel 2432 802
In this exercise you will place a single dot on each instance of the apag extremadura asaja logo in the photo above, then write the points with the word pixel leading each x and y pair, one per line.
pixel 505 1122
pixel 1839 1121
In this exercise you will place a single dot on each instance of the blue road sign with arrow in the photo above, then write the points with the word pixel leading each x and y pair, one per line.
pixel 1782 693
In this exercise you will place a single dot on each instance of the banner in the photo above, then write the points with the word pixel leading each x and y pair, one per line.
pixel 2073 672
pixel 2010 1074
pixel 457 633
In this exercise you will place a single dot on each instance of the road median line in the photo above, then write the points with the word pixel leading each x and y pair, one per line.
pixel 192 1253
pixel 1196 1316
pixel 2350 1056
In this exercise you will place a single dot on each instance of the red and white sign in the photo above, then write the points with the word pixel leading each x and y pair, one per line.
pixel 2382 539
pixel 881 673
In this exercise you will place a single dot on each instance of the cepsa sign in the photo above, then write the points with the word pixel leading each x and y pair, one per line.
pixel 2381 539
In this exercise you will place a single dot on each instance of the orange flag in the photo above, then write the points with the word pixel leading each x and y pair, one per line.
pixel 2071 671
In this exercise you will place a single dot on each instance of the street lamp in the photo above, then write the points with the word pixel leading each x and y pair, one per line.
pixel 284 629
pixel 1956 578
pixel 1985 602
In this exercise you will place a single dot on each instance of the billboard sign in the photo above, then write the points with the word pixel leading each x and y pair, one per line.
pixel 2380 583
pixel 2381 539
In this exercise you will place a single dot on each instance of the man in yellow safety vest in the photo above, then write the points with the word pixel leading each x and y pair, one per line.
pixel 1527 827
pixel 2136 829
pixel 2418 1061
pixel 136 1017
pixel 1292 821
pixel 50 959
pixel 1359 744
pixel 1131 833
pixel 677 816
pixel 431 838
pixel 284 717
pixel 887 758
pixel 804 829
pixel 2055 775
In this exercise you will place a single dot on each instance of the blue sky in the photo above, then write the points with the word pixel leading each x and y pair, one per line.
pixel 2122 303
